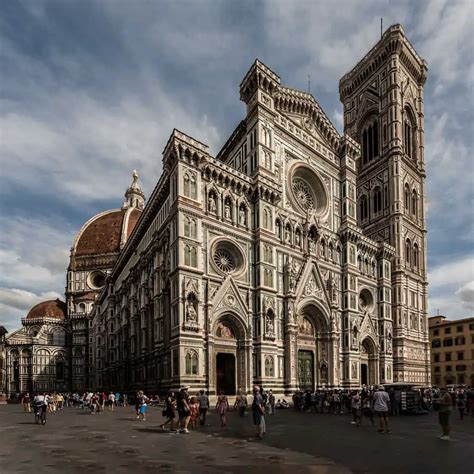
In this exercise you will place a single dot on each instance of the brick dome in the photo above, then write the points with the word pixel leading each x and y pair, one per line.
pixel 48 309
pixel 106 232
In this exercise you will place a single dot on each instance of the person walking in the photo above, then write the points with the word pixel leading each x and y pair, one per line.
pixel 222 406
pixel 26 402
pixel 240 403
pixel 445 404
pixel 169 411
pixel 461 404
pixel 271 403
pixel 182 404
pixel 258 411
pixel 382 407
pixel 203 400
pixel 356 407
pixel 111 401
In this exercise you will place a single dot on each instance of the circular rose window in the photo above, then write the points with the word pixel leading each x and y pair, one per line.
pixel 366 300
pixel 224 260
pixel 96 280
pixel 227 257
pixel 307 191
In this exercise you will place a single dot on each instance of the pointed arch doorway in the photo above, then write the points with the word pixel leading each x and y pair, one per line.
pixel 229 355
pixel 368 363
pixel 313 349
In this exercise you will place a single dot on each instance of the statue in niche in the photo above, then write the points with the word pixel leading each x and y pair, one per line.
pixel 298 239
pixel 212 204
pixel 242 216
pixel 287 235
pixel 355 337
pixel 389 343
pixel 227 213
pixel 312 245
pixel 191 313
pixel 291 312
pixel 292 274
pixel 332 289
pixel 270 325
pixel 324 372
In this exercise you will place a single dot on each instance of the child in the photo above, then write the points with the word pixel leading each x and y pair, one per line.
pixel 194 412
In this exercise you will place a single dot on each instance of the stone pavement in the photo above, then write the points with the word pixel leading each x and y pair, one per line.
pixel 75 441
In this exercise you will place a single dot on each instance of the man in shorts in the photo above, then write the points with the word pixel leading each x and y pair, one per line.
pixel 445 406
pixel 182 404
pixel 258 411
pixel 382 407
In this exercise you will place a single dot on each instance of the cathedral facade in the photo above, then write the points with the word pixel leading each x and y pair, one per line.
pixel 295 258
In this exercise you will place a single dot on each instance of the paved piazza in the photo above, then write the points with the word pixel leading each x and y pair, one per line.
pixel 75 441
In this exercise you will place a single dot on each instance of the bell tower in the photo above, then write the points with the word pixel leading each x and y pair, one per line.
pixel 382 98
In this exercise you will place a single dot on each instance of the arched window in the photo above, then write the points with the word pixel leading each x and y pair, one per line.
pixel 377 200
pixel 408 252
pixel 190 185
pixel 408 134
pixel 407 198
pixel 193 257
pixel 191 363
pixel 414 203
pixel 363 208
pixel 59 338
pixel 267 218
pixel 370 142
pixel 416 256
pixel 190 228
pixel 187 255
pixel 268 254
pixel 268 277
pixel 269 366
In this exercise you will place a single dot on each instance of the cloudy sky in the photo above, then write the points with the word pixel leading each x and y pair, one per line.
pixel 92 89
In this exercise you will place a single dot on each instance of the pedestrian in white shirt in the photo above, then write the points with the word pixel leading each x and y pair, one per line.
pixel 382 407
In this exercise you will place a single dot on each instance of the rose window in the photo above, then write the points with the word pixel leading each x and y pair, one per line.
pixel 307 191
pixel 226 257
pixel 303 194
pixel 224 260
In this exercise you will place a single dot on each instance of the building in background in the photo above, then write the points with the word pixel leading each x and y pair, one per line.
pixel 51 350
pixel 3 361
pixel 452 351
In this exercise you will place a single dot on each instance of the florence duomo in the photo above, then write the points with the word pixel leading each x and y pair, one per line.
pixel 294 258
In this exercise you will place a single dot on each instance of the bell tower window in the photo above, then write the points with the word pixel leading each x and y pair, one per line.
pixel 370 142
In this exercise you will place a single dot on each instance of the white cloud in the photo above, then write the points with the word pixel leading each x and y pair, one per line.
pixel 452 273
pixel 451 288
pixel 15 304
pixel 466 294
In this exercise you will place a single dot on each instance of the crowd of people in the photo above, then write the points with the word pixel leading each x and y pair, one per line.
pixel 183 411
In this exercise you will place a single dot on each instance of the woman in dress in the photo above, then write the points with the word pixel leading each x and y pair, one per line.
pixel 221 407
pixel 194 412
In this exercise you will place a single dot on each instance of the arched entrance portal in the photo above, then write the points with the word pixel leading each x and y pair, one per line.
pixel 313 349
pixel 229 356
pixel 368 363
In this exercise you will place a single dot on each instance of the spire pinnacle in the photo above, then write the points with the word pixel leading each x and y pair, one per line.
pixel 134 196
